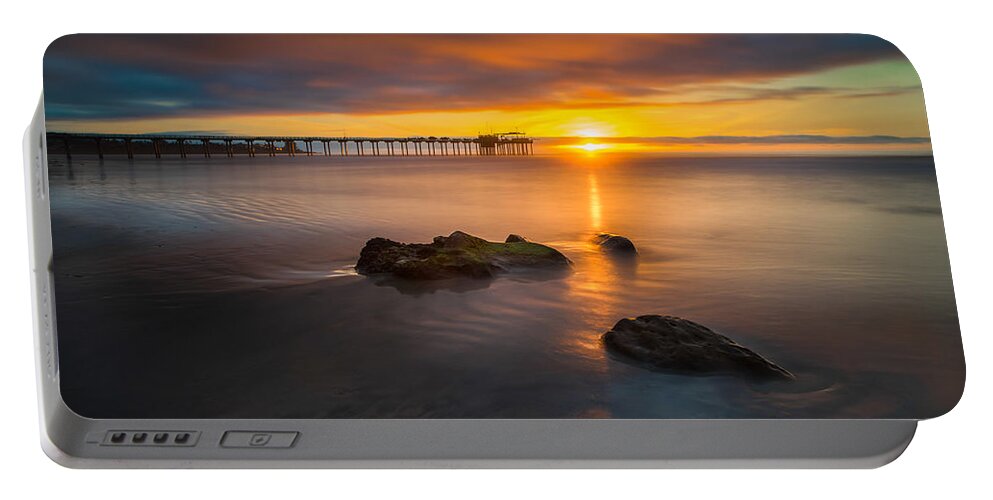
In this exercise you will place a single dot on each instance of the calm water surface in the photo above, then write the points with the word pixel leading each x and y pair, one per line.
pixel 224 287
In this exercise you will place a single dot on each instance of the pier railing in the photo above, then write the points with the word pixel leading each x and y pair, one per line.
pixel 513 143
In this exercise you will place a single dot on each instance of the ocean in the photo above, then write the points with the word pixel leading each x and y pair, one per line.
pixel 225 287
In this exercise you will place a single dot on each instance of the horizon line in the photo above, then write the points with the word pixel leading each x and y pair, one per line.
pixel 771 139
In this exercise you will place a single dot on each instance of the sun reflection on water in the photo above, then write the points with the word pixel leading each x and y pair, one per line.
pixel 596 219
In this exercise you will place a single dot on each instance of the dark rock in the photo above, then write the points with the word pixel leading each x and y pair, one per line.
pixel 516 238
pixel 615 244
pixel 673 344
pixel 457 255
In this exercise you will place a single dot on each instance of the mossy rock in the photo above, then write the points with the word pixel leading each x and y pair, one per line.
pixel 458 255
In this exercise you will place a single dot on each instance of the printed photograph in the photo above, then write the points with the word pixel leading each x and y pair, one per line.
pixel 496 226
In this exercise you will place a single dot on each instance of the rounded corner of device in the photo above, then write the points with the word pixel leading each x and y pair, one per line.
pixel 889 455
pixel 58 455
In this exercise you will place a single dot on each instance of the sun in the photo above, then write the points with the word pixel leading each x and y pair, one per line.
pixel 592 146
pixel 589 148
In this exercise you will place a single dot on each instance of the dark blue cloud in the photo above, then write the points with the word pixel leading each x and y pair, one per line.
pixel 133 76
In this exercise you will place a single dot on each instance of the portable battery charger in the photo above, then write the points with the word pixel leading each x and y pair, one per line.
pixel 486 251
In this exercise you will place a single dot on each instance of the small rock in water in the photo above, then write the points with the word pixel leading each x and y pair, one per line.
pixel 615 244
pixel 674 344
pixel 457 255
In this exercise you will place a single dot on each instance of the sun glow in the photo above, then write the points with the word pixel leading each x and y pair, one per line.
pixel 587 148
pixel 591 147
pixel 590 132
pixel 594 148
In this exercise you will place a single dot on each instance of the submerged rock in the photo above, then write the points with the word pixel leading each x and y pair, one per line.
pixel 673 344
pixel 615 244
pixel 457 255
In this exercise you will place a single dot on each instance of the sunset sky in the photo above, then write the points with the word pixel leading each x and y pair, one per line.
pixel 679 93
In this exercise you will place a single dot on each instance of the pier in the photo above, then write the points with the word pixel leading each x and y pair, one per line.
pixel 208 146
